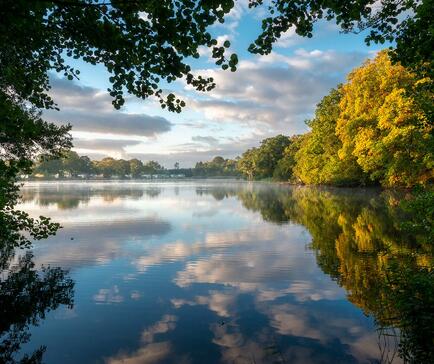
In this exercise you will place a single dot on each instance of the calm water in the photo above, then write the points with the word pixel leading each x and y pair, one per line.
pixel 211 272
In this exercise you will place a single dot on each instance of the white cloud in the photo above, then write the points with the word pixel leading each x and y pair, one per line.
pixel 275 93
pixel 89 109
pixel 151 353
pixel 108 295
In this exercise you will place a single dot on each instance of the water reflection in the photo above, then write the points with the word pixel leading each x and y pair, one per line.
pixel 26 296
pixel 234 273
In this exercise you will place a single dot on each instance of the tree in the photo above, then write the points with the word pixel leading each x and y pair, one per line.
pixel 121 167
pixel 284 170
pixel 269 153
pixel 246 164
pixel 69 162
pixel 23 134
pixel 152 167
pixel 385 123
pixel 136 167
pixel 317 160
pixel 260 162
pixel 106 166
pixel 142 42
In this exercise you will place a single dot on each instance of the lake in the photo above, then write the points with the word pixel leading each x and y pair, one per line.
pixel 209 272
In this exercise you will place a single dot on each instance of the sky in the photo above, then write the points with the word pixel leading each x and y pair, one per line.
pixel 266 96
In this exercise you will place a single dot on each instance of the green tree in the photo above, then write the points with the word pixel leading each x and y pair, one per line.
pixel 269 153
pixel 106 166
pixel 317 160
pixel 260 162
pixel 217 167
pixel 23 135
pixel 246 164
pixel 69 163
pixel 121 167
pixel 284 170
pixel 152 167
pixel 385 126
pixel 136 167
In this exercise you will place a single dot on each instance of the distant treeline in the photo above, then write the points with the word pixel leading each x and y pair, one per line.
pixel 71 165
pixel 377 128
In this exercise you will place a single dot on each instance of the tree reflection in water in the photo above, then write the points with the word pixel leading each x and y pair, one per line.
pixel 360 239
pixel 26 296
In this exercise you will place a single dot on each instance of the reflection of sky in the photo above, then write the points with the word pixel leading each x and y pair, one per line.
pixel 179 276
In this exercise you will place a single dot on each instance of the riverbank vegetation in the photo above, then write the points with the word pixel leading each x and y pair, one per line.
pixel 375 129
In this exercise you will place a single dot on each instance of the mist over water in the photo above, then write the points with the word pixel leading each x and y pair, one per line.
pixel 217 272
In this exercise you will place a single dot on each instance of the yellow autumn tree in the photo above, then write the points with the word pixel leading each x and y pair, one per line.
pixel 385 123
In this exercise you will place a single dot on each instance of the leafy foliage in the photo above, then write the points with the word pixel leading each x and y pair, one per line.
pixel 23 134
pixel 317 161
pixel 383 124
pixel 217 167
pixel 71 165
pixel 284 170
pixel 140 43
pixel 261 162
pixel 408 23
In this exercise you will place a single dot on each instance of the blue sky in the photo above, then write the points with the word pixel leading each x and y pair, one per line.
pixel 268 95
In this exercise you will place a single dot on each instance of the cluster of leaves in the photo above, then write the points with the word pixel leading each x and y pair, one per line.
pixel 260 162
pixel 23 134
pixel 407 23
pixel 374 129
pixel 386 124
pixel 140 43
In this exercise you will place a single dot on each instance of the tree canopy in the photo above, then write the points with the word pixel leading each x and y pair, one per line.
pixel 261 162
pixel 317 160
pixel 385 123
pixel 142 43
